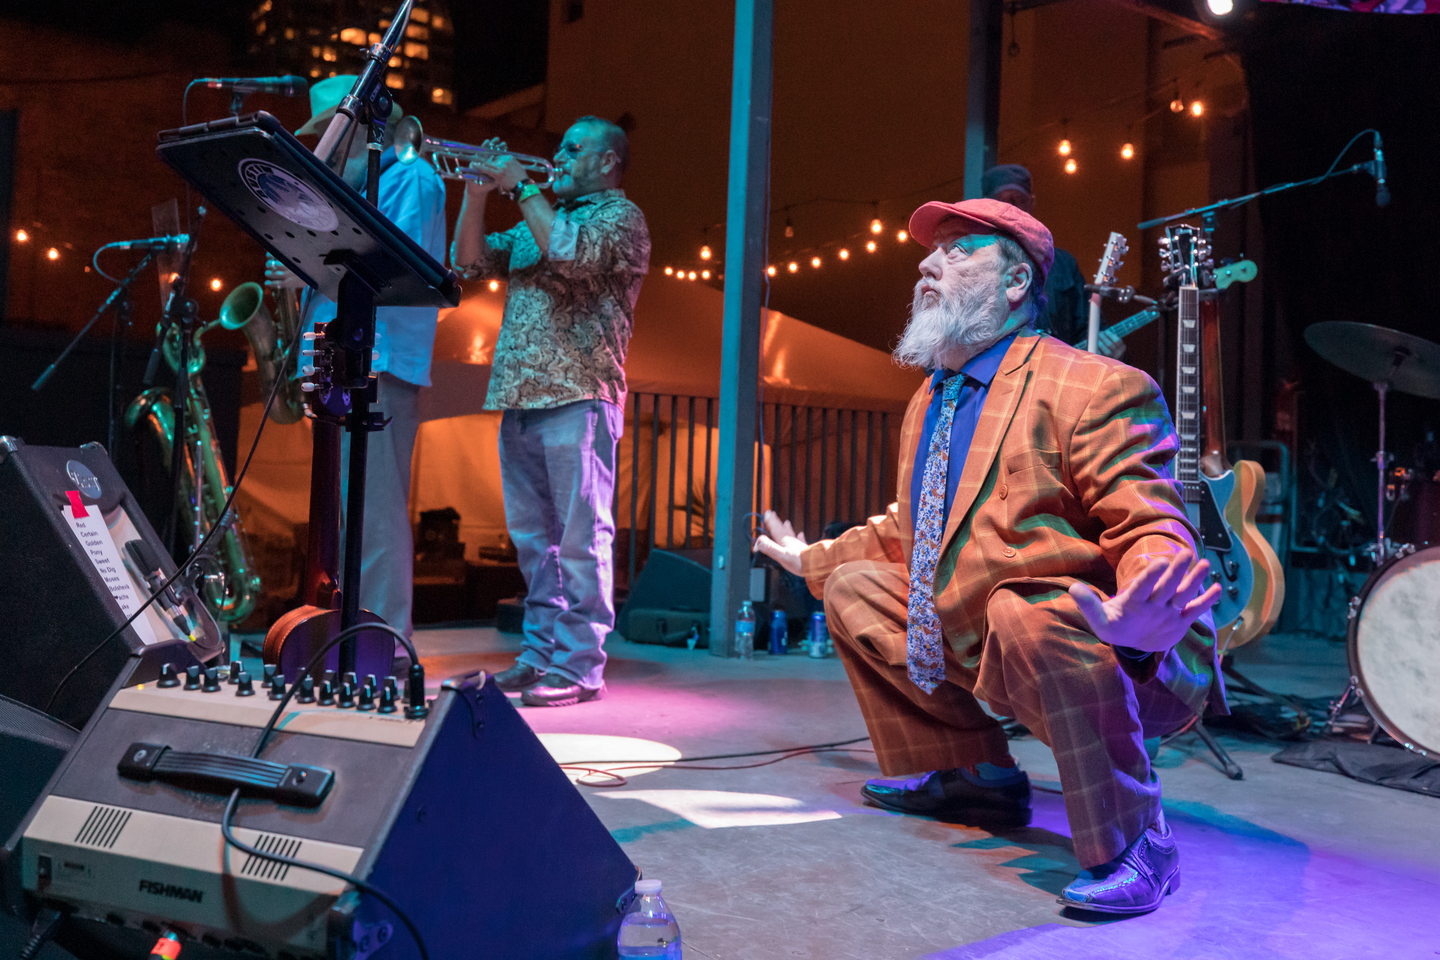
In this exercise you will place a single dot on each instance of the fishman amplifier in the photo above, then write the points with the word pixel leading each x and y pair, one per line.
pixel 462 818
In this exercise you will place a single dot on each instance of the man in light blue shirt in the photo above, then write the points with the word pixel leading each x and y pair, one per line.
pixel 412 195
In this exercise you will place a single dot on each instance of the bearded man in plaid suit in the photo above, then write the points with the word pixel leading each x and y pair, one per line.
pixel 1038 558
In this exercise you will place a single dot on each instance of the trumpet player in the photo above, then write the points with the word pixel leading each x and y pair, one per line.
pixel 412 195
pixel 573 270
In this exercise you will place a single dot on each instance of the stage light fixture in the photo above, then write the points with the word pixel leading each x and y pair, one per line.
pixel 1197 109
pixel 705 252
pixel 216 284
pixel 21 236
pixel 1071 166
pixel 495 284
pixel 902 236
pixel 792 266
pixel 876 226
pixel 870 247
pixel 1127 152
pixel 1220 8
pixel 844 254
pixel 815 262
pixel 1065 148
pixel 668 272
pixel 53 253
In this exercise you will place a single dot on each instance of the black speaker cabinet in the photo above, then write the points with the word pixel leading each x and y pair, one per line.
pixel 461 817
pixel 31 748
pixel 69 578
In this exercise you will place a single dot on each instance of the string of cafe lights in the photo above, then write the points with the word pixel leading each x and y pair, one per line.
pixel 54 252
pixel 817 256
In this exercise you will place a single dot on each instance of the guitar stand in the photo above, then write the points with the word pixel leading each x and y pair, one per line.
pixel 1196 726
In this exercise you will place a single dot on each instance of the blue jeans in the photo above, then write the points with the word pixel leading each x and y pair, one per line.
pixel 557 470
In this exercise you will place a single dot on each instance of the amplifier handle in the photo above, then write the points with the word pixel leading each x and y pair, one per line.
pixel 294 784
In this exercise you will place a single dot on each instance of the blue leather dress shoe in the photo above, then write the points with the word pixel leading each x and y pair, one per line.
pixel 955 796
pixel 517 678
pixel 1134 882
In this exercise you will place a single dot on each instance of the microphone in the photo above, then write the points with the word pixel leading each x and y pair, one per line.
pixel 1377 167
pixel 153 243
pixel 287 86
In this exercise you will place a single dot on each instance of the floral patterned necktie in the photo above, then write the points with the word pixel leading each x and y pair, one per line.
pixel 924 643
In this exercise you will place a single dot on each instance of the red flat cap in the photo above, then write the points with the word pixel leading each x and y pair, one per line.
pixel 988 216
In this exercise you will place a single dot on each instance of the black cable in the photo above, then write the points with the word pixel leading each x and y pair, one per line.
pixel 731 756
pixel 359 884
pixel 354 881
pixel 176 448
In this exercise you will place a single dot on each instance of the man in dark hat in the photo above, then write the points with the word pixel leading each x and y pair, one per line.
pixel 1038 559
pixel 1066 313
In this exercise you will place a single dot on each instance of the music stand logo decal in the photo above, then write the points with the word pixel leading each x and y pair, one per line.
pixel 287 196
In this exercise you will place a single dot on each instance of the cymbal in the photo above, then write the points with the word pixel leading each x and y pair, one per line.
pixel 1407 363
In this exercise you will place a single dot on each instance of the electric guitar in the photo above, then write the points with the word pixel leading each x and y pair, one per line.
pixel 1241 272
pixel 1185 255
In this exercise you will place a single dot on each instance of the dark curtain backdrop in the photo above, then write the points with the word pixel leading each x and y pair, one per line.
pixel 1316 77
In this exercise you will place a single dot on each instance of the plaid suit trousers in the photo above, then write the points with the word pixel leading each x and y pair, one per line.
pixel 1039 663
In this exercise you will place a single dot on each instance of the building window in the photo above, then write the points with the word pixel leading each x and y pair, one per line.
pixel 437 22
pixel 417 33
pixel 395 81
pixel 441 95
pixel 314 71
pixel 395 62
pixel 417 51
pixel 289 33
pixel 420 15
pixel 315 52
pixel 353 35
pixel 328 55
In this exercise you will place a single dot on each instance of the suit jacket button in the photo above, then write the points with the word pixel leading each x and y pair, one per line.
pixel 1003 491
pixel 1009 551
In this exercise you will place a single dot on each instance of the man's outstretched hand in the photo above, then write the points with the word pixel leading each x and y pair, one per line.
pixel 780 542
pixel 1157 607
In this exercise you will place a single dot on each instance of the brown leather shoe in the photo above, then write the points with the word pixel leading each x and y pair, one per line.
pixel 951 796
pixel 556 691
pixel 518 677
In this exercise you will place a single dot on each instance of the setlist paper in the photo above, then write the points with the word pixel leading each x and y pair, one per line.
pixel 93 535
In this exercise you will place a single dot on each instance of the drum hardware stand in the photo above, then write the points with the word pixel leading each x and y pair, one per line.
pixel 1197 726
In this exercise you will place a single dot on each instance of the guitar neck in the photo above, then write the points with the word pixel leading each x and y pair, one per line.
pixel 1125 327
pixel 1187 393
pixel 1212 458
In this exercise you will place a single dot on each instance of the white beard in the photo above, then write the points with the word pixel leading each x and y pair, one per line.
pixel 943 327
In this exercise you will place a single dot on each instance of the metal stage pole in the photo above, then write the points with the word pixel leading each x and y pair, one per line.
pixel 746 231
pixel 982 92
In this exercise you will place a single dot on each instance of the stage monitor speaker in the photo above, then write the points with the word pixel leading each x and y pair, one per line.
pixel 31 748
pixel 669 587
pixel 69 578
pixel 461 817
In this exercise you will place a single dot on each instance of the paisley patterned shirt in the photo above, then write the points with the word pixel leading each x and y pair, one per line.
pixel 568 316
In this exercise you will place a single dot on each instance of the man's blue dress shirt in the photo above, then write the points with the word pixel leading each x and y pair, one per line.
pixel 978 373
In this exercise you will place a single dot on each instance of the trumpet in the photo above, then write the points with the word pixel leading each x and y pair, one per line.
pixel 456 161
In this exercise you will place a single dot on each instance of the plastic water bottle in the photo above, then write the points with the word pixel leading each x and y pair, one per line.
pixel 745 632
pixel 649 929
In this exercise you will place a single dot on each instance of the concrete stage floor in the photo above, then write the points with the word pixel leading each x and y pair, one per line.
pixel 785 861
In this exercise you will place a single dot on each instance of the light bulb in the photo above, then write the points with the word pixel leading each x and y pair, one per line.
pixel 495 284
pixel 815 262
pixel 216 284
pixel 1177 105
pixel 1220 8
pixel 1197 109
pixel 770 270
pixel 870 246
pixel 876 226
pixel 692 274
pixel 902 236
pixel 1064 148
pixel 705 253
pixel 53 254
pixel 1071 166
pixel 792 266
pixel 21 236
pixel 668 271
pixel 1127 152
pixel 844 254
pixel 704 274
pixel 789 228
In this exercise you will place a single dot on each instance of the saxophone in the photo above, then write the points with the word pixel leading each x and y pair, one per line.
pixel 231 586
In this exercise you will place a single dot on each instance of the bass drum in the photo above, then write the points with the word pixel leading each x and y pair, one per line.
pixel 1393 644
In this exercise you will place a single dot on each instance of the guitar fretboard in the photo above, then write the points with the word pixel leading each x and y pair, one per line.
pixel 1188 396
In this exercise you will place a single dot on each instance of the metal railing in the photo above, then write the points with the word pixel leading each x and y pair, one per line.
pixel 814 465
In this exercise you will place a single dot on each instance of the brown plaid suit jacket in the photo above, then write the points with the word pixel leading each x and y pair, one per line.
pixel 1067 480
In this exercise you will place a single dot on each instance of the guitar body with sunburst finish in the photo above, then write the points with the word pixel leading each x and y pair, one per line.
pixel 1268 595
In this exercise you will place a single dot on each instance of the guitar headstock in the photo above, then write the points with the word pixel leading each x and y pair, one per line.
pixel 1185 256
pixel 1111 260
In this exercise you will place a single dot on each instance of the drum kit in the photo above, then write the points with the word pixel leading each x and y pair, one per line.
pixel 1393 639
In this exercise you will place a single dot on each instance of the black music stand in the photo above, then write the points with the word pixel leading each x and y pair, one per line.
pixel 254 171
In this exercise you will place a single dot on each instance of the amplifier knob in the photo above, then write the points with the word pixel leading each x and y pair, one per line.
pixel 192 677
pixel 307 689
pixel 387 696
pixel 212 680
pixel 268 674
pixel 367 694
pixel 243 686
pixel 233 675
pixel 346 699
pixel 277 686
pixel 327 694
pixel 167 676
